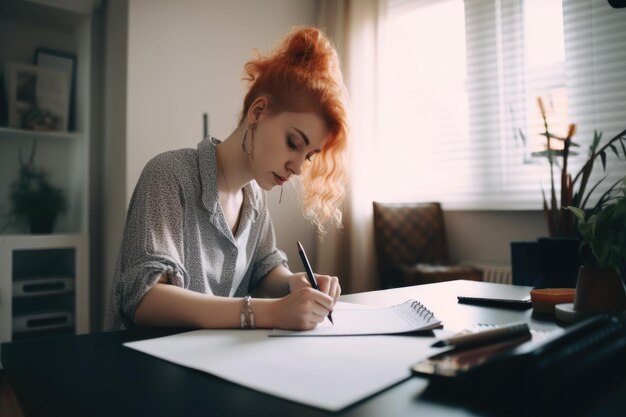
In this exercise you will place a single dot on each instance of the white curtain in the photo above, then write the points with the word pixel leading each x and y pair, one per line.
pixel 355 28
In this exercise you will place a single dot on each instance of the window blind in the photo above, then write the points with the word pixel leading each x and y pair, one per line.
pixel 458 86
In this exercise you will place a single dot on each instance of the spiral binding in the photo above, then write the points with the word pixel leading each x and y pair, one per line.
pixel 421 310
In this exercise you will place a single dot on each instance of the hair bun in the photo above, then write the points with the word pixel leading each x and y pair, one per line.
pixel 309 49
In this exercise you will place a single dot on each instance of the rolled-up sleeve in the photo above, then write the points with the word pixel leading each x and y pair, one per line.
pixel 152 244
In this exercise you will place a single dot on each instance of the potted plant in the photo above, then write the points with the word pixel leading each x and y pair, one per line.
pixel 554 259
pixel 574 191
pixel 33 198
pixel 600 288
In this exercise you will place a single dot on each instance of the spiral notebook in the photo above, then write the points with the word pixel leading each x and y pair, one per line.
pixel 355 319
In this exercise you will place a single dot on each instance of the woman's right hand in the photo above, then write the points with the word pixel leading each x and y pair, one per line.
pixel 303 309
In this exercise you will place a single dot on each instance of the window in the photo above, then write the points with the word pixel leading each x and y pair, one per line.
pixel 458 86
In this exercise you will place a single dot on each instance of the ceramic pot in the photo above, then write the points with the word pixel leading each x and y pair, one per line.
pixel 599 291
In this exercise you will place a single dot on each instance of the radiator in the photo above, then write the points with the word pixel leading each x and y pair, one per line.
pixel 497 273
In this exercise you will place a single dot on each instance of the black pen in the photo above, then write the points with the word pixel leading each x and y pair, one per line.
pixel 485 336
pixel 309 273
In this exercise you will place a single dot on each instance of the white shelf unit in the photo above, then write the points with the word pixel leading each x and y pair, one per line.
pixel 54 266
pixel 43 279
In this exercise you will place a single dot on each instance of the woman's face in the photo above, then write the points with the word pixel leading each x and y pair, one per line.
pixel 283 143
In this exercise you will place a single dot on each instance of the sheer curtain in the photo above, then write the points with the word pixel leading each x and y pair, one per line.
pixel 355 27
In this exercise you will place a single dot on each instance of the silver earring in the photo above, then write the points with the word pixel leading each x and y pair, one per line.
pixel 243 142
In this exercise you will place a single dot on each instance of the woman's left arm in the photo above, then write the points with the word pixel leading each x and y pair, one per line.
pixel 280 281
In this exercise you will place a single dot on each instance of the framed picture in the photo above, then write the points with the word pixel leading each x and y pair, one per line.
pixel 38 98
pixel 63 61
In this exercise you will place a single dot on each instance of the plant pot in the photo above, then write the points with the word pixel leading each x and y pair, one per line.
pixel 599 291
pixel 42 223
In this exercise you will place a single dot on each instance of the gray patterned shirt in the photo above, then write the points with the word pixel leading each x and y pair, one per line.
pixel 175 226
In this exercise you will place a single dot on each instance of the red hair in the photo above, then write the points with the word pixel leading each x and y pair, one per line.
pixel 303 74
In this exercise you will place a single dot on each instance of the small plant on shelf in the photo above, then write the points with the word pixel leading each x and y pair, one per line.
pixel 33 198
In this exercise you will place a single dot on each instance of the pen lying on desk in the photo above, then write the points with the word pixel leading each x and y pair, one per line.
pixel 486 336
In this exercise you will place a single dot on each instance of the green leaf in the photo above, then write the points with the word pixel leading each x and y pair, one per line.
pixel 548 153
pixel 603 158
pixel 602 233
pixel 586 232
pixel 580 214
pixel 551 136
pixel 605 233
pixel 607 197
pixel 596 140
pixel 614 149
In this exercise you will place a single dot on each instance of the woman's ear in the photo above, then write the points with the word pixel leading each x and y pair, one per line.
pixel 259 107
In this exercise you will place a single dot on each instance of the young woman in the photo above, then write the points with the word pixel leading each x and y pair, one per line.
pixel 199 240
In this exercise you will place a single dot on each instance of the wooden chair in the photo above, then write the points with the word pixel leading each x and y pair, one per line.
pixel 411 246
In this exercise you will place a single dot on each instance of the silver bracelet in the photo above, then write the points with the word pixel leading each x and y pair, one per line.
pixel 247 315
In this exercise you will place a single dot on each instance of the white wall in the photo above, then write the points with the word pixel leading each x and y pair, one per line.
pixel 485 236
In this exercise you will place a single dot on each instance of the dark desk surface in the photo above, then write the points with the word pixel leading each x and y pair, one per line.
pixel 94 375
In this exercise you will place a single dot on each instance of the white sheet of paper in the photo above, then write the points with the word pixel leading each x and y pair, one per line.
pixel 355 319
pixel 330 373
